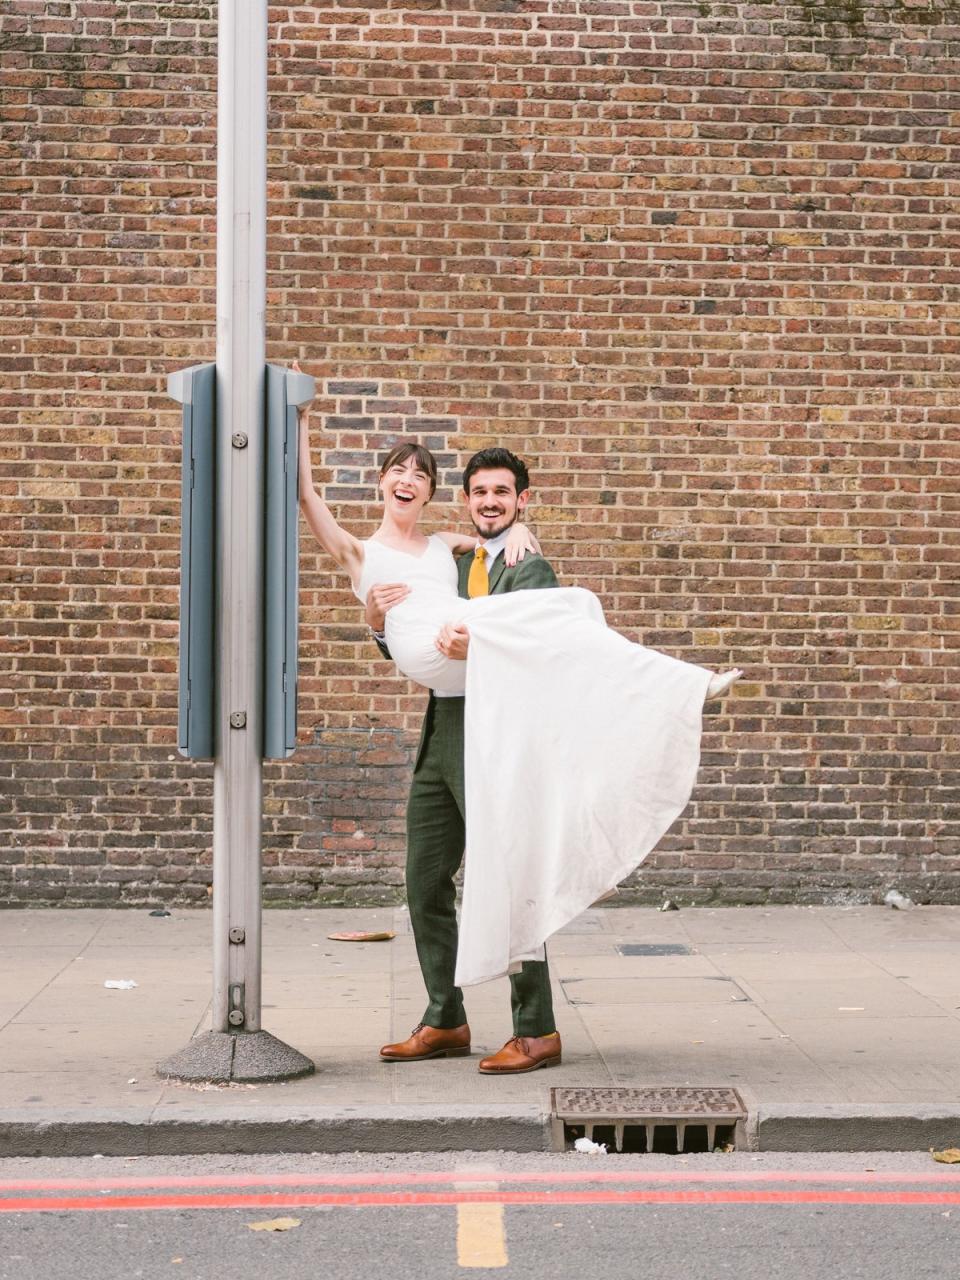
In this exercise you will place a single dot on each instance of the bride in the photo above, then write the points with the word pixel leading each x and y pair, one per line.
pixel 581 747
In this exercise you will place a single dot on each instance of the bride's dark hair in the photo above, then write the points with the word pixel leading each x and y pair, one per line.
pixel 425 461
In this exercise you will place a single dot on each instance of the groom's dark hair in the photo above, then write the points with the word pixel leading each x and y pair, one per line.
pixel 495 460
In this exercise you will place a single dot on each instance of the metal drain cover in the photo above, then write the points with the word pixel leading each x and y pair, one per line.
pixel 653 949
pixel 647 1108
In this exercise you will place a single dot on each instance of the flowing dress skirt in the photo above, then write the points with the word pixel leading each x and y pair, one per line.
pixel 581 749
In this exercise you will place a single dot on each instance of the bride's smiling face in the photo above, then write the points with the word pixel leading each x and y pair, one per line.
pixel 406 488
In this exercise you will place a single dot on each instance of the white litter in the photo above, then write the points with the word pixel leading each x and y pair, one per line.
pixel 588 1148
pixel 898 901
pixel 120 984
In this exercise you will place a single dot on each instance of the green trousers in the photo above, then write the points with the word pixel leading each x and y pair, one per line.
pixel 435 844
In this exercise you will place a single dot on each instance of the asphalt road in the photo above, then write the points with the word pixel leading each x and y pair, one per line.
pixel 795 1217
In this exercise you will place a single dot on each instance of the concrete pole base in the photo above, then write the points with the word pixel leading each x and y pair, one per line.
pixel 222 1057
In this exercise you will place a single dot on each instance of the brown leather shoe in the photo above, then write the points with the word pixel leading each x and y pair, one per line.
pixel 523 1053
pixel 429 1042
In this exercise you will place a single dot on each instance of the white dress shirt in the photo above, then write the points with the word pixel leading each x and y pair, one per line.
pixel 493 547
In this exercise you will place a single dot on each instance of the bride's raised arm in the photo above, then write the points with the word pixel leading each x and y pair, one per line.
pixel 337 542
pixel 460 544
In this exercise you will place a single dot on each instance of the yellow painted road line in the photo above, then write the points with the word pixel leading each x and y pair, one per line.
pixel 481 1241
pixel 481 1238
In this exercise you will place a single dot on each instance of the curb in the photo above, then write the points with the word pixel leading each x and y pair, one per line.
pixel 330 1130
pixel 848 1127
pixel 273 1131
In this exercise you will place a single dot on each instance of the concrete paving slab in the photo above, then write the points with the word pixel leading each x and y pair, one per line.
pixel 768 1078
pixel 895 1042
pixel 758 924
pixel 326 1030
pixel 647 926
pixel 619 967
pixel 150 1003
pixel 732 1022
pixel 8 1011
pixel 807 967
pixel 588 922
pixel 90 1048
pixel 54 928
pixel 49 957
pixel 92 971
pixel 334 1083
pixel 933 975
pixel 138 930
pixel 872 926
pixel 585 944
pixel 853 997
pixel 298 962
pixel 57 1090
pixel 349 992
pixel 638 990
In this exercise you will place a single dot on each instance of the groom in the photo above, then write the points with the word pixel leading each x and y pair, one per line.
pixel 496 491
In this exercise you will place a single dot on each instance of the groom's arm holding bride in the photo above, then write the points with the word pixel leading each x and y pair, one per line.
pixel 381 598
pixel 531 574
pixel 524 568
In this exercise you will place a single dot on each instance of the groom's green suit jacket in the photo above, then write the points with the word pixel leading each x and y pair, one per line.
pixel 531 572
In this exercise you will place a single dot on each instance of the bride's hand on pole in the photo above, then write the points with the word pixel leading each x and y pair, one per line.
pixel 519 542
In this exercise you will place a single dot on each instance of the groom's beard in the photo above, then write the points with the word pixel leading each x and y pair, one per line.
pixel 497 526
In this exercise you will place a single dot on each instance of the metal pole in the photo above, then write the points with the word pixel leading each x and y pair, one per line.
pixel 241 358
pixel 236 1047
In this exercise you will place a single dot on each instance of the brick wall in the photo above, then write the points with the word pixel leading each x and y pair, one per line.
pixel 699 263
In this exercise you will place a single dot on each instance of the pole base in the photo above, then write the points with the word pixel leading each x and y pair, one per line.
pixel 222 1057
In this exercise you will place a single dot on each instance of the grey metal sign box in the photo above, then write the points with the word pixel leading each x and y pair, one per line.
pixel 195 389
pixel 286 392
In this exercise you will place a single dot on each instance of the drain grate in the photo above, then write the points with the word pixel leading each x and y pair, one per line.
pixel 653 949
pixel 646 1109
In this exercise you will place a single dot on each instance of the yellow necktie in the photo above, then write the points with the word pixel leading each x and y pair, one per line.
pixel 478 580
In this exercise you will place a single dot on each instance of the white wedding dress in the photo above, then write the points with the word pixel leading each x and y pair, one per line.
pixel 581 748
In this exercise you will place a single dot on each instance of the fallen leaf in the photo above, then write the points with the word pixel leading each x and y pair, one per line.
pixel 359 936
pixel 274 1224
pixel 950 1156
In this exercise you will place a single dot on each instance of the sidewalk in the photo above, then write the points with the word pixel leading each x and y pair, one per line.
pixel 840 1027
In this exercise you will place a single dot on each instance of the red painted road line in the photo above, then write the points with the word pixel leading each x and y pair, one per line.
pixel 404 1199
pixel 135 1181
